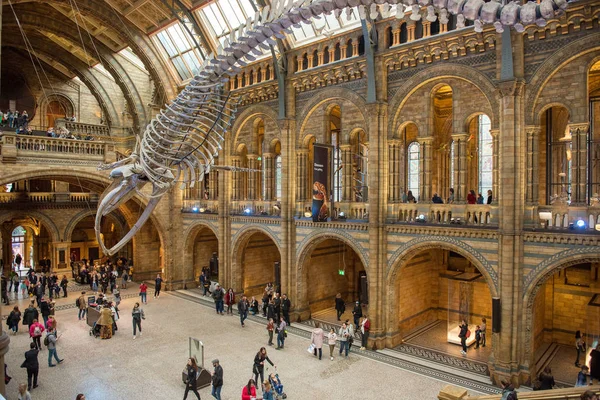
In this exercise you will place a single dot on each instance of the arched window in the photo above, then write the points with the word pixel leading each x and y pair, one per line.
pixel 337 162
pixel 486 152
pixel 452 166
pixel 414 150
pixel 278 168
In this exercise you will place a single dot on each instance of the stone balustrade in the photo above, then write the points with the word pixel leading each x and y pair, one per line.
pixel 255 207
pixel 450 392
pixel 79 128
pixel 559 217
pixel 47 197
pixel 483 215
pixel 35 147
pixel 200 206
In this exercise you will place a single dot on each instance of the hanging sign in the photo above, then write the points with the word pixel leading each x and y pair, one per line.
pixel 320 188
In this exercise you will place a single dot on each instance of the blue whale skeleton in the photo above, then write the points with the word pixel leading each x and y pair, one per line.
pixel 180 143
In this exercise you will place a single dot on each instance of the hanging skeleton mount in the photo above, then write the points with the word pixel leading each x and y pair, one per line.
pixel 180 143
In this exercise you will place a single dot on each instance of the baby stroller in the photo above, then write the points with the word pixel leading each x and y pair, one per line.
pixel 95 330
pixel 277 386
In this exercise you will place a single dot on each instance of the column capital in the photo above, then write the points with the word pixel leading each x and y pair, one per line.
pixel 301 152
pixel 252 156
pixel 459 136
pixel 579 127
pixel 425 140
pixel 395 142
pixel 494 133
pixel 511 88
pixel 532 129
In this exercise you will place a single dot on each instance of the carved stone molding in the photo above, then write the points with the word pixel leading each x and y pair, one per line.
pixel 561 237
pixel 346 226
pixel 459 232
pixel 311 80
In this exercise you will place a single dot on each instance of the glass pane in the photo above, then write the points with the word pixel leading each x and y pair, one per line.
pixel 184 73
pixel 166 43
pixel 278 167
pixel 180 38
pixel 332 22
pixel 192 61
pixel 232 13
pixel 219 24
pixel 247 7
pixel 299 34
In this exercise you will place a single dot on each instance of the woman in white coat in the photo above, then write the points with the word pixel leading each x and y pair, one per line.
pixel 317 337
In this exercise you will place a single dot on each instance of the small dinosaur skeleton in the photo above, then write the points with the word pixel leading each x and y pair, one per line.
pixel 180 143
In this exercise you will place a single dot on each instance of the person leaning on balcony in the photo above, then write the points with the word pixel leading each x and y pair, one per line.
pixel 436 199
pixel 489 197
pixel 451 197
pixel 410 198
pixel 471 199
pixel 479 198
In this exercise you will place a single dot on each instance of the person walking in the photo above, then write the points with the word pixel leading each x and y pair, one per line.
pixel 243 310
pixel 82 306
pixel 316 339
pixel 143 292
pixel 464 328
pixel 32 365
pixel 281 333
pixel 137 315
pixel 157 286
pixel 230 301
pixel 192 376
pixel 344 335
pixel 286 306
pixel 124 279
pixel 331 339
pixel 340 306
pixel 218 296
pixel 44 309
pixel 483 328
pixel 357 312
pixel 13 320
pixel 365 327
pixel 31 314
pixel 63 284
pixel 51 340
pixel 35 332
pixel 259 364
pixel 595 364
pixel 217 379
pixel 270 329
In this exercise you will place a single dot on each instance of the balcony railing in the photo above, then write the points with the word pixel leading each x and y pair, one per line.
pixel 47 197
pixel 560 217
pixel 79 128
pixel 463 214
pixel 201 206
pixel 15 146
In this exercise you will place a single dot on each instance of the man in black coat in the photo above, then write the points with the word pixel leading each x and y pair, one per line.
pixel 286 305
pixel 277 306
pixel 340 306
pixel 32 365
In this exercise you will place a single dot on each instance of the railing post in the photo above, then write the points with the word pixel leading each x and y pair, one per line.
pixel 110 155
pixel 9 147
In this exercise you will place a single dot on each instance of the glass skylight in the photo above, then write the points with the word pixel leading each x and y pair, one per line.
pixel 181 50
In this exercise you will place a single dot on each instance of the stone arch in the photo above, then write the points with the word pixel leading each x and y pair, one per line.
pixel 239 241
pixel 250 115
pixel 547 106
pixel 534 280
pixel 330 95
pixel 313 239
pixel 415 246
pixel 552 65
pixel 440 72
pixel 86 213
pixel 470 117
pixel 62 98
pixel 190 236
pixel 47 221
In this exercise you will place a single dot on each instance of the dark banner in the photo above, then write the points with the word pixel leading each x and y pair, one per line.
pixel 320 202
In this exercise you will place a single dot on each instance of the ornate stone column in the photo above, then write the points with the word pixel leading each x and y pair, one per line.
pixel 301 174
pixel 579 163
pixel 395 151
pixel 460 166
pixel 425 158
pixel 269 171
pixel 531 164
pixel 495 162
pixel 253 182
pixel 213 183
pixel 347 172
pixel 236 162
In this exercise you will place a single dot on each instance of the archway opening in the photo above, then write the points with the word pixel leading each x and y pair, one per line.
pixel 204 250
pixel 84 245
pixel 434 290
pixel 260 264
pixel 555 157
pixel 442 118
pixel 594 99
pixel 334 267
pixel 567 302
pixel 29 244
pixel 55 110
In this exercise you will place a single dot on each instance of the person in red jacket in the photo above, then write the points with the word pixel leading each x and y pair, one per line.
pixel 471 198
pixel 230 300
pixel 35 331
pixel 143 290
pixel 365 327
pixel 249 391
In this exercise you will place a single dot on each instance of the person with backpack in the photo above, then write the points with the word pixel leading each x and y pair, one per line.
pixel 44 309
pixel 217 379
pixel 30 314
pixel 50 341
pixel 81 305
pixel 218 296
pixel 35 332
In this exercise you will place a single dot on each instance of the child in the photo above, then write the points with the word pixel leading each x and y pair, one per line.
pixel 477 336
pixel 24 287
pixel 582 376
pixel 270 329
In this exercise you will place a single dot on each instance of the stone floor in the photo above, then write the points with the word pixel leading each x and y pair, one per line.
pixel 563 366
pixel 151 365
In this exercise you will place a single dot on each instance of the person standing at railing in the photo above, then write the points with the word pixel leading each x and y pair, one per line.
pixel 436 199
pixel 489 197
pixel 479 198
pixel 471 199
